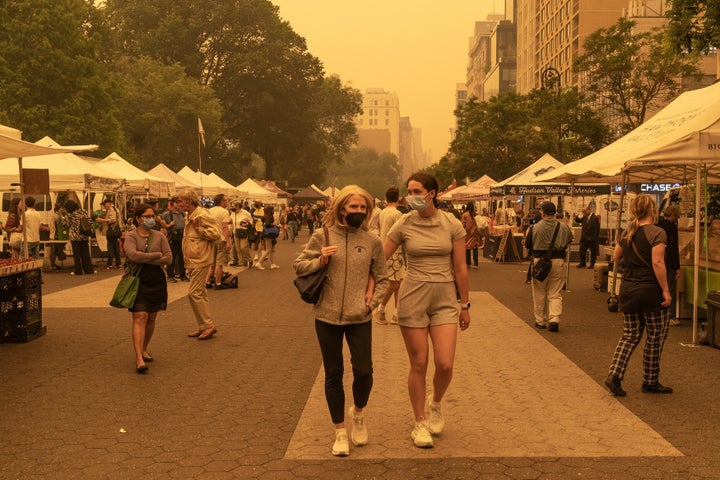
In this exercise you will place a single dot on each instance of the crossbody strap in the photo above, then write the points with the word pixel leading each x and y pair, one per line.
pixel 548 252
pixel 637 253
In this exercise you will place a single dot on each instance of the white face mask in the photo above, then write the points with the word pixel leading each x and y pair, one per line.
pixel 417 202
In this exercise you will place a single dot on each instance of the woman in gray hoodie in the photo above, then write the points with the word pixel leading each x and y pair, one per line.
pixel 355 285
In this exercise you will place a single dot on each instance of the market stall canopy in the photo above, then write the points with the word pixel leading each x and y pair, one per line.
pixel 163 171
pixel 331 191
pixel 523 182
pixel 666 148
pixel 208 185
pixel 255 191
pixel 11 147
pixel 270 186
pixel 446 194
pixel 136 180
pixel 477 190
pixel 67 172
pixel 311 193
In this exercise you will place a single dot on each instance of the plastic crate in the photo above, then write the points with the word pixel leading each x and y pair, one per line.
pixel 28 281
pixel 21 333
pixel 21 306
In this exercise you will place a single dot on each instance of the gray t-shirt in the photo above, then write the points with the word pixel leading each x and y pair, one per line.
pixel 428 244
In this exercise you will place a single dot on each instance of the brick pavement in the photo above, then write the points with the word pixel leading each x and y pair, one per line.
pixel 241 404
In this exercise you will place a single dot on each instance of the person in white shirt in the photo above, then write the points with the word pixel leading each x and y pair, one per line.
pixel 32 228
pixel 241 222
pixel 223 246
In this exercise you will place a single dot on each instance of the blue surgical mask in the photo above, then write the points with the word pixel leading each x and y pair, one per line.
pixel 148 223
pixel 417 202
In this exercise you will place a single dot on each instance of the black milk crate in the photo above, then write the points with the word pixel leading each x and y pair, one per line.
pixel 23 282
pixel 10 333
pixel 21 306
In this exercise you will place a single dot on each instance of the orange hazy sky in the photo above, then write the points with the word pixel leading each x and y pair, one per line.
pixel 415 48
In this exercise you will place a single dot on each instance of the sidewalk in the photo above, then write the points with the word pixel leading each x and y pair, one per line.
pixel 249 403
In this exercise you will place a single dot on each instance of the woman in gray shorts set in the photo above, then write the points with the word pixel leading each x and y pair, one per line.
pixel 434 242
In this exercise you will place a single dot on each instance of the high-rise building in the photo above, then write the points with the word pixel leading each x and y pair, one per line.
pixel 550 35
pixel 407 158
pixel 379 124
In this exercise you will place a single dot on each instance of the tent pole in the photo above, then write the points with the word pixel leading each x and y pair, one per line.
pixel 625 179
pixel 22 211
pixel 696 256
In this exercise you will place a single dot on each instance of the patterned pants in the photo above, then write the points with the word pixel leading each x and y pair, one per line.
pixel 657 330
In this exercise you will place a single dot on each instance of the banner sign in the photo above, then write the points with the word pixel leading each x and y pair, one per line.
pixel 543 190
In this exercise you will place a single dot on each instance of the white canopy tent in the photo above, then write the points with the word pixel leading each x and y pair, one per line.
pixel 477 190
pixel 256 192
pixel 164 172
pixel 680 142
pixel 208 185
pixel 137 181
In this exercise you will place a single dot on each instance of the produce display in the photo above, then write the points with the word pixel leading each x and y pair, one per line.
pixel 13 265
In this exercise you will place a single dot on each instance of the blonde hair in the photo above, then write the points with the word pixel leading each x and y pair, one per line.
pixel 189 194
pixel 642 206
pixel 334 213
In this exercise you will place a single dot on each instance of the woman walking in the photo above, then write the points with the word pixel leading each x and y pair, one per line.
pixel 353 255
pixel 472 235
pixel 644 297
pixel 80 243
pixel 433 298
pixel 149 248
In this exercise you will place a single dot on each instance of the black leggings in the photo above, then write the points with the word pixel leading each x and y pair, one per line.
pixel 359 340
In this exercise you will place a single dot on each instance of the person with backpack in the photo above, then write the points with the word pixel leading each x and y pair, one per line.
pixel 111 226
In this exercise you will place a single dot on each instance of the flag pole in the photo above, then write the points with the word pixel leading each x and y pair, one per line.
pixel 201 142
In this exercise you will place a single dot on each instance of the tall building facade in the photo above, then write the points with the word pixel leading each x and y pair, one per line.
pixel 550 34
pixel 379 124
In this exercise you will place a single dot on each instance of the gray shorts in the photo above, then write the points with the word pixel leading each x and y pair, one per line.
pixel 426 304
pixel 221 253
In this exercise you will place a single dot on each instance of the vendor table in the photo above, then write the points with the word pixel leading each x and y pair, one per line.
pixel 21 302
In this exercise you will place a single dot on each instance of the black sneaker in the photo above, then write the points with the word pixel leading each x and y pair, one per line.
pixel 220 286
pixel 657 388
pixel 171 280
pixel 553 327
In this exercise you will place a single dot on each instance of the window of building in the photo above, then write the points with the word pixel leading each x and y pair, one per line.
pixel 387 112
pixel 387 121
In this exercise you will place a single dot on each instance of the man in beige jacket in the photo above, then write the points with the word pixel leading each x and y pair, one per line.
pixel 198 245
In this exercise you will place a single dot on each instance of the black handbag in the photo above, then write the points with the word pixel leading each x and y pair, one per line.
pixel 85 227
pixel 310 286
pixel 541 268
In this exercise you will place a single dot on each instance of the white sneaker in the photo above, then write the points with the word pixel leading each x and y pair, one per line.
pixel 358 433
pixel 394 320
pixel 435 419
pixel 274 267
pixel 421 435
pixel 259 267
pixel 380 316
pixel 341 447
pixel 255 258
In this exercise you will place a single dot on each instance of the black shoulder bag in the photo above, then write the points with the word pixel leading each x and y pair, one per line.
pixel 310 286
pixel 541 268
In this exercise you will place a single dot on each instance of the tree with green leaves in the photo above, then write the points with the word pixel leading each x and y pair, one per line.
pixel 365 167
pixel 505 134
pixel 267 82
pixel 159 115
pixel 53 82
pixel 694 25
pixel 632 73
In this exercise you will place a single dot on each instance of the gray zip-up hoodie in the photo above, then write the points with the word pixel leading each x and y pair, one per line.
pixel 359 254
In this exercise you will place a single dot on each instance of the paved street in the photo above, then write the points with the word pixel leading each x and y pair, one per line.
pixel 249 403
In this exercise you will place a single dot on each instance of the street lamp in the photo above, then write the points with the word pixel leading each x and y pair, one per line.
pixel 550 78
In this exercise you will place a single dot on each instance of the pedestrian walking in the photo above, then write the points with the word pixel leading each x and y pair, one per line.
pixel 396 263
pixel 355 285
pixel 589 235
pixel 472 235
pixel 672 256
pixel 547 297
pixel 644 297
pixel 174 218
pixel 201 233
pixel 434 245
pixel 149 248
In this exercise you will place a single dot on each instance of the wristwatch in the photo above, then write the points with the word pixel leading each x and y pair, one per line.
pixel 465 306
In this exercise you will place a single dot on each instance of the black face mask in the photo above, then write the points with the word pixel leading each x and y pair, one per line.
pixel 355 219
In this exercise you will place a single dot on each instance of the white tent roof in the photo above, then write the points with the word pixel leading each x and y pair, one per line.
pixel 331 191
pixel 209 185
pixel 164 172
pixel 477 190
pixel 12 147
pixel 255 191
pixel 683 134
pixel 67 172
pixel 137 180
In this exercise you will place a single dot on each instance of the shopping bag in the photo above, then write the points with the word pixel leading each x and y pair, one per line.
pixel 127 289
pixel 310 286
